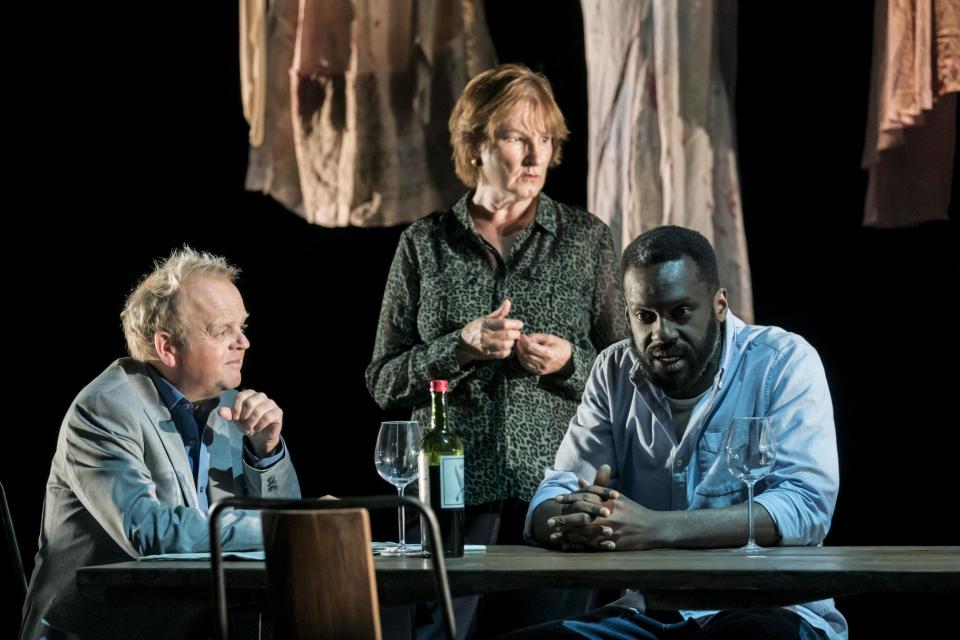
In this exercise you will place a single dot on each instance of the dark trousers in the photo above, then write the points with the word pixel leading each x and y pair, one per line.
pixel 614 621
pixel 498 613
pixel 493 614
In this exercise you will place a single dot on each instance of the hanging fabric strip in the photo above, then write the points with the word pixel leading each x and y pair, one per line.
pixel 661 144
pixel 358 93
pixel 911 123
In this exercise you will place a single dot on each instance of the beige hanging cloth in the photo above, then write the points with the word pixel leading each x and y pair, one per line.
pixel 355 99
pixel 268 31
pixel 661 144
pixel 911 124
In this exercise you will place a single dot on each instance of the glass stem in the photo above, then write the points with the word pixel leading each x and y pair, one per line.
pixel 401 521
pixel 750 541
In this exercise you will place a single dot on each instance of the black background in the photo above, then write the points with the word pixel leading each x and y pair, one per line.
pixel 128 140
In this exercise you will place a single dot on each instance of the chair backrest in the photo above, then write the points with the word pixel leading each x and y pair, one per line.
pixel 320 574
pixel 313 550
pixel 15 559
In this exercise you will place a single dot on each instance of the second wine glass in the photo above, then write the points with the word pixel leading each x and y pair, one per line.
pixel 750 450
pixel 398 446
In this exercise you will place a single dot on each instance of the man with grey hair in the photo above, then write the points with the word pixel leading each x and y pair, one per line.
pixel 149 444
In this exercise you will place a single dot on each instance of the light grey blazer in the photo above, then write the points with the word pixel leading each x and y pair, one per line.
pixel 120 487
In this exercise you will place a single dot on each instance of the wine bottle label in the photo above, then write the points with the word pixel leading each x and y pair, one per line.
pixel 451 482
pixel 423 478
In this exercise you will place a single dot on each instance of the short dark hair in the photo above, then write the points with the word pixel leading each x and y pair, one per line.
pixel 669 243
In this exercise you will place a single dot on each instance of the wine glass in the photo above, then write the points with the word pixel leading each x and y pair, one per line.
pixel 398 446
pixel 750 449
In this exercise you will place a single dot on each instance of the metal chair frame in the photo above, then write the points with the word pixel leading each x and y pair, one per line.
pixel 306 504
pixel 14 548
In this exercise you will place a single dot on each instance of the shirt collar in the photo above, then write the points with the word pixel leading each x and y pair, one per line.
pixel 546 213
pixel 545 218
pixel 169 394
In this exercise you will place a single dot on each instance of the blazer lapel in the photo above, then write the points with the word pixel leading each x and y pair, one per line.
pixel 170 438
pixel 173 446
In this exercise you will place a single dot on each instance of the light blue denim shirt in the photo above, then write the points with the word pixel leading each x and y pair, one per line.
pixel 624 421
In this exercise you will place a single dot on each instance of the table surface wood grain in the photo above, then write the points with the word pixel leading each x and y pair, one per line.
pixel 669 578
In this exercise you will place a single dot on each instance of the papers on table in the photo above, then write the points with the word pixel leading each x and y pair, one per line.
pixel 227 555
pixel 468 549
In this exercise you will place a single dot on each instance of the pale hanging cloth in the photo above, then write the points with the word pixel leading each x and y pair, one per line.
pixel 253 66
pixel 267 37
pixel 661 139
pixel 911 125
pixel 354 127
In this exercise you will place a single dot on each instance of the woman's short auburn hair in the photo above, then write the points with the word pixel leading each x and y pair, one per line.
pixel 486 102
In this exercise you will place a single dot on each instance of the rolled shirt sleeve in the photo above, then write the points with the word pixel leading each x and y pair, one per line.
pixel 801 492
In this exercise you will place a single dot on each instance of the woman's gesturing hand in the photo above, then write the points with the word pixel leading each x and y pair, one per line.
pixel 489 337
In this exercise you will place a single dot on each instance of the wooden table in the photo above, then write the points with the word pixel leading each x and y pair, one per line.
pixel 669 578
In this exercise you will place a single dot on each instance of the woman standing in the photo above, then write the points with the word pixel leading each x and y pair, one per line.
pixel 508 295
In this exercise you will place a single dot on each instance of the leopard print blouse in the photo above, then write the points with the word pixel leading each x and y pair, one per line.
pixel 561 276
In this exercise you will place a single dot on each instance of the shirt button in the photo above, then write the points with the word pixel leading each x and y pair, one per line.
pixel 679 464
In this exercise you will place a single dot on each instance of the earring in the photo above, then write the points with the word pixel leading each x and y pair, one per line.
pixel 475 162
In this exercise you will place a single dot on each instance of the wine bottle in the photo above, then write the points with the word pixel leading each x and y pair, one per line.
pixel 441 476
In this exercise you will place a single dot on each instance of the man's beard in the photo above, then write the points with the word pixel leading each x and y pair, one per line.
pixel 698 361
